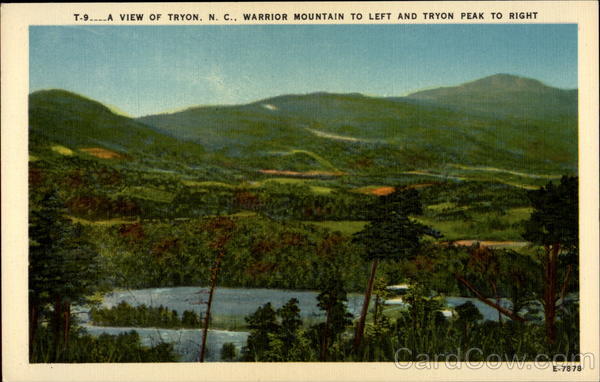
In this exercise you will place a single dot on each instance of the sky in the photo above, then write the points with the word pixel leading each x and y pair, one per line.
pixel 144 70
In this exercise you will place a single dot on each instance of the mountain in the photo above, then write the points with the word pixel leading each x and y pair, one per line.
pixel 493 125
pixel 76 122
pixel 505 95
pixel 276 121
pixel 499 121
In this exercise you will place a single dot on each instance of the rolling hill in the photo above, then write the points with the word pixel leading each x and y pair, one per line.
pixel 499 121
pixel 498 126
pixel 79 123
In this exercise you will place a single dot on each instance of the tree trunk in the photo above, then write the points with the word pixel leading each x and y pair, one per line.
pixel 213 284
pixel 376 313
pixel 57 326
pixel 67 322
pixel 563 289
pixel 481 298
pixel 33 323
pixel 360 327
pixel 550 292
pixel 325 341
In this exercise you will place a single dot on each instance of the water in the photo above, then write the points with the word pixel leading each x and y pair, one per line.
pixel 230 306
pixel 186 342
pixel 230 302
pixel 486 311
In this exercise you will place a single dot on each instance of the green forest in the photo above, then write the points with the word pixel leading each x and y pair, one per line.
pixel 235 197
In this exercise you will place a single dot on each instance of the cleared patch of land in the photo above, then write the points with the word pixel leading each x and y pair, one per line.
pixel 114 221
pixel 62 150
pixel 386 190
pixel 375 190
pixel 102 153
pixel 427 173
pixel 281 180
pixel 315 189
pixel 495 169
pixel 336 137
pixel 314 173
pixel 491 243
pixel 269 106
pixel 193 183
pixel 482 225
pixel 446 206
pixel 370 190
pixel 383 191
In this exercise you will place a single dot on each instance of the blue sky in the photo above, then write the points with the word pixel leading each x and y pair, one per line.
pixel 151 69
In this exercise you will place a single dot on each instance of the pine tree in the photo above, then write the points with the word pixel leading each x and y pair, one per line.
pixel 64 268
pixel 390 235
pixel 261 323
pixel 554 224
pixel 332 300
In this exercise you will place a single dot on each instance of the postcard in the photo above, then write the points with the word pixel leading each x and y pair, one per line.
pixel 300 191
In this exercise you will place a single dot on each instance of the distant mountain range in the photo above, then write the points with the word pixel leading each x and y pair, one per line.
pixel 502 121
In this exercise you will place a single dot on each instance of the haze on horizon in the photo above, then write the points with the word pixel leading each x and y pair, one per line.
pixel 145 70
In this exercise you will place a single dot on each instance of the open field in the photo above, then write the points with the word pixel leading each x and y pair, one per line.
pixel 102 153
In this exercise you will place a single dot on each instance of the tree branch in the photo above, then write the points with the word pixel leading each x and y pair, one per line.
pixel 483 299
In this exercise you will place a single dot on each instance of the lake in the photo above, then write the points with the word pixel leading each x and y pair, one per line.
pixel 186 342
pixel 230 306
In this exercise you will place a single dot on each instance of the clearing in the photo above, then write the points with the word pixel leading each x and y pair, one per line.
pixel 113 221
pixel 495 169
pixel 99 152
pixel 492 244
pixel 375 190
pixel 62 150
pixel 314 173
pixel 336 137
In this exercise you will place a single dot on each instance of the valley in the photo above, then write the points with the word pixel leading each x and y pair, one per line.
pixel 292 194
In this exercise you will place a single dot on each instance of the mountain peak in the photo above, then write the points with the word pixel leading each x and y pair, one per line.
pixel 66 99
pixel 60 93
pixel 505 82
pixel 503 95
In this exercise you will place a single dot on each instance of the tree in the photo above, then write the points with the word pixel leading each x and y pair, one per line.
pixel 485 272
pixel 481 266
pixel 333 251
pixel 64 267
pixel 290 319
pixel 277 336
pixel 332 300
pixel 487 265
pixel 468 315
pixel 261 323
pixel 554 224
pixel 288 342
pixel 228 352
pixel 422 326
pixel 381 295
pixel 389 235
pixel 222 228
